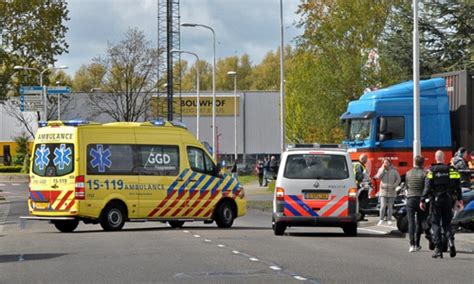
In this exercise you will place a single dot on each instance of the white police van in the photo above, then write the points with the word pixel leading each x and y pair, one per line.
pixel 315 186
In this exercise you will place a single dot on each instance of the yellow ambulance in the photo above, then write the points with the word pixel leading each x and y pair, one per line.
pixel 111 173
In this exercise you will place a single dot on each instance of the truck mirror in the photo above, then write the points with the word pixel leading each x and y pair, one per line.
pixel 382 137
pixel 382 125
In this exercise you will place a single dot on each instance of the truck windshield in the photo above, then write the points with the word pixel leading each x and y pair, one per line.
pixel 358 129
pixel 53 159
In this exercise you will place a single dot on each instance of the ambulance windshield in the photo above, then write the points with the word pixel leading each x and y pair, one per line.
pixel 53 159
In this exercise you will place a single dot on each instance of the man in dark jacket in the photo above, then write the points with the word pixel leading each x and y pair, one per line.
pixel 442 187
pixel 415 182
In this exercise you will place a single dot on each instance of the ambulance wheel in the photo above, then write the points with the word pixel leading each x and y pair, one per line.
pixel 350 229
pixel 225 215
pixel 176 224
pixel 66 226
pixel 279 229
pixel 113 217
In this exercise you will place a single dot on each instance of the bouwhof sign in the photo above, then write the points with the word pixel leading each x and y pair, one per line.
pixel 188 106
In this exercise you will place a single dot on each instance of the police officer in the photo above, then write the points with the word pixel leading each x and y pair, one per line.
pixel 442 186
pixel 360 171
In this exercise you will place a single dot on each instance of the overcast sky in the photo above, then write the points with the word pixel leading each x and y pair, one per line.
pixel 242 26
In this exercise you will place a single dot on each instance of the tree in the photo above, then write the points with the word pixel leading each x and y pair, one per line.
pixel 329 69
pixel 130 78
pixel 88 77
pixel 33 33
pixel 205 77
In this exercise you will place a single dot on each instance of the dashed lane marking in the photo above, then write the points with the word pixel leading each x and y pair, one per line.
pixel 197 236
pixel 373 231
pixel 253 259
pixel 235 251
pixel 185 231
pixel 299 278
pixel 221 245
pixel 16 184
pixel 274 267
pixel 207 240
pixel 2 184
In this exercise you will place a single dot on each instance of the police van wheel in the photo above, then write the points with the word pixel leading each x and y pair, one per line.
pixel 113 218
pixel 279 229
pixel 225 215
pixel 176 224
pixel 350 229
pixel 66 226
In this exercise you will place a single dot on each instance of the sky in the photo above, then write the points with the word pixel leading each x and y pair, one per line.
pixel 241 26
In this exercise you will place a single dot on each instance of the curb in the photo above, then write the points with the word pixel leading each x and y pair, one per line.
pixel 14 178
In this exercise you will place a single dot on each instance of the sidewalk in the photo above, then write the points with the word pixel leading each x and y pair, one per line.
pixel 255 192
pixel 14 178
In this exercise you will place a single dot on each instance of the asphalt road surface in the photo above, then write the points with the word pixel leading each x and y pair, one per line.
pixel 246 253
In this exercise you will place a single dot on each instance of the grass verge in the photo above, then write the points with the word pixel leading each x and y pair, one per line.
pixel 265 206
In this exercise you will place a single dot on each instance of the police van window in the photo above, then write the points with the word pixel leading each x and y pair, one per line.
pixel 158 160
pixel 53 159
pixel 395 128
pixel 196 159
pixel 110 159
pixel 316 166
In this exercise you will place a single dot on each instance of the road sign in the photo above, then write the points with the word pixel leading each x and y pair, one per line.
pixel 58 90
pixel 31 103
pixel 30 90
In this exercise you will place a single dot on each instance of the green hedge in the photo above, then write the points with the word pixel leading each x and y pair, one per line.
pixel 10 169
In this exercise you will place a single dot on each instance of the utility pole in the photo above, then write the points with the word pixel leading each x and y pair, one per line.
pixel 416 83
pixel 169 62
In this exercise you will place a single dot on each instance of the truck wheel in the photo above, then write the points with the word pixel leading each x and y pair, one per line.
pixel 113 217
pixel 224 215
pixel 176 224
pixel 66 226
pixel 279 229
pixel 350 229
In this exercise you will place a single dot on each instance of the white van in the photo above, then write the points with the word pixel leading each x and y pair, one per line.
pixel 315 186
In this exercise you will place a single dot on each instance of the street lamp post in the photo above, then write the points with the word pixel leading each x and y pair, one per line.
pixel 416 83
pixel 282 83
pixel 213 84
pixel 233 73
pixel 43 88
pixel 198 97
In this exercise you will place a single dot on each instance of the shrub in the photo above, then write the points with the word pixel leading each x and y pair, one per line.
pixel 10 169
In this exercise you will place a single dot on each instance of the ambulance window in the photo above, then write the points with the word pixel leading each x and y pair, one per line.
pixel 196 159
pixel 158 160
pixel 110 159
pixel 53 159
pixel 210 167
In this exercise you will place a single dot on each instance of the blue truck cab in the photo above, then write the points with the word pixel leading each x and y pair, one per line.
pixel 380 124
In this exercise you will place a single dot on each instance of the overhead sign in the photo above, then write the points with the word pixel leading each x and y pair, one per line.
pixel 58 90
pixel 188 106
pixel 31 90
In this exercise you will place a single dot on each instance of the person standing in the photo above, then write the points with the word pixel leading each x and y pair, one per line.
pixel 461 164
pixel 259 168
pixel 415 182
pixel 273 167
pixel 360 170
pixel 442 185
pixel 389 180
pixel 235 169
pixel 266 168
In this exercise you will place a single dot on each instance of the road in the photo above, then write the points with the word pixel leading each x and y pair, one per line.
pixel 247 253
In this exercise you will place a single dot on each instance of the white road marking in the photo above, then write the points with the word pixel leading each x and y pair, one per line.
pixel 300 278
pixel 207 240
pixel 273 267
pixel 221 245
pixel 253 259
pixel 185 231
pixel 2 184
pixel 16 184
pixel 236 251
pixel 197 236
pixel 387 226
pixel 373 231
